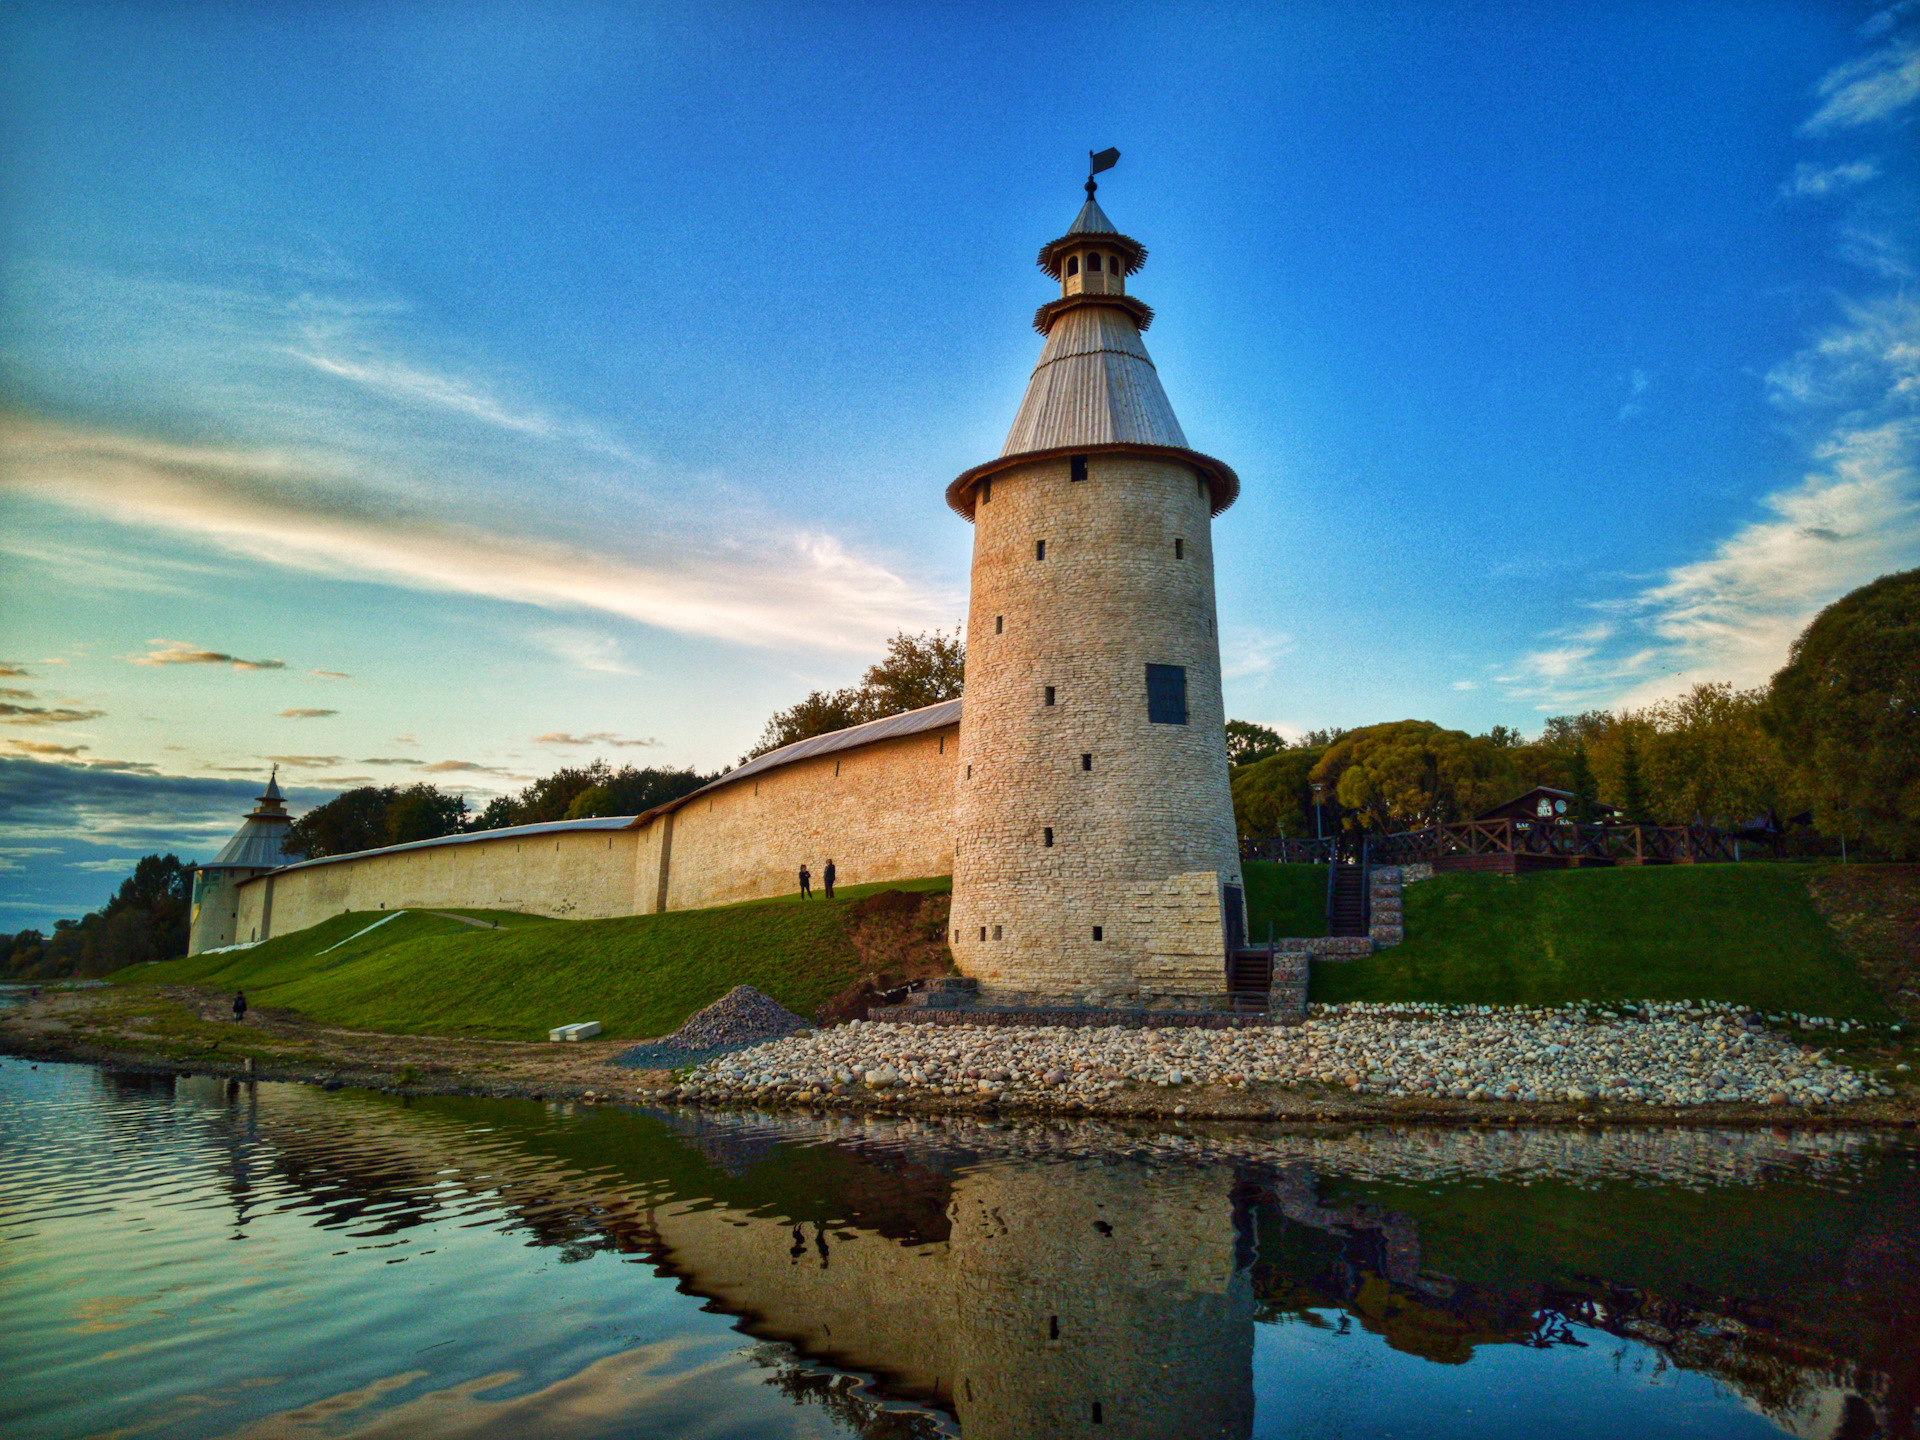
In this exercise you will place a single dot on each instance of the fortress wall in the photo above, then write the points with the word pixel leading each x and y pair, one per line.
pixel 576 875
pixel 882 811
pixel 1136 827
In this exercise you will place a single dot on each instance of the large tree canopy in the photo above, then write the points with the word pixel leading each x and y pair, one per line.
pixel 1846 709
pixel 918 670
pixel 145 919
pixel 376 815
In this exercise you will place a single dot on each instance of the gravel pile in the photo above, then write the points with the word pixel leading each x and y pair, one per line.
pixel 742 1017
pixel 1660 1053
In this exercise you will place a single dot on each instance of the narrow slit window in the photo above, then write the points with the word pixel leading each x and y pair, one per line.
pixel 1039 549
pixel 1048 840
pixel 1049 694
pixel 999 624
pixel 1086 762
pixel 983 932
pixel 1179 549
pixel 1077 467
pixel 1053 1327
pixel 986 491
pixel 1199 487
pixel 969 772
pixel 1167 694
pixel 1099 933
pixel 943 745
pixel 996 932
pixel 1073 264
pixel 1096 1412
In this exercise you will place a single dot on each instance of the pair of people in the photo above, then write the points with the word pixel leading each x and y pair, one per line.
pixel 826 880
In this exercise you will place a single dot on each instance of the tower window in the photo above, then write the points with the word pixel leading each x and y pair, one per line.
pixel 1179 549
pixel 969 772
pixel 1086 762
pixel 983 932
pixel 1048 840
pixel 1098 933
pixel 1167 694
pixel 1077 467
pixel 1200 487
pixel 1073 264
pixel 1049 694
pixel 1113 263
pixel 986 491
pixel 999 624
pixel 1039 549
pixel 996 932
pixel 1093 263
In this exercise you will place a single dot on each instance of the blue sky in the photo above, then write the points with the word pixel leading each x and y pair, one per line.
pixel 498 387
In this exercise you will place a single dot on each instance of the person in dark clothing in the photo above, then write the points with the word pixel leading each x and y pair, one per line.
pixel 826 877
pixel 239 1007
pixel 806 883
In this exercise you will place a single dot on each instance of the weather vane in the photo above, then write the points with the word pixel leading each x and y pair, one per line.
pixel 1105 160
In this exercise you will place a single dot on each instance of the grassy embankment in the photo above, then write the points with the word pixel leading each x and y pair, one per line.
pixel 1745 933
pixel 422 974
pixel 1749 934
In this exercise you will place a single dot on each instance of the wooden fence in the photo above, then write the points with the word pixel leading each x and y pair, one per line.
pixel 1510 846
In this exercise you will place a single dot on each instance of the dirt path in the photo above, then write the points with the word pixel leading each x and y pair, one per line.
pixel 190 1030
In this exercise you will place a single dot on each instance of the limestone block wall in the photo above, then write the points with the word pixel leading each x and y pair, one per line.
pixel 882 811
pixel 579 875
pixel 1125 580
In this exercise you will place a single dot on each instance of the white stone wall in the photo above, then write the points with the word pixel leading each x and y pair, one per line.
pixel 882 811
pixel 1110 597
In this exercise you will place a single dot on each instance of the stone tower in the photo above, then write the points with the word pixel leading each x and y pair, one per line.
pixel 253 850
pixel 1097 857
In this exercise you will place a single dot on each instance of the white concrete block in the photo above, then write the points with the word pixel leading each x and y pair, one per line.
pixel 579 1030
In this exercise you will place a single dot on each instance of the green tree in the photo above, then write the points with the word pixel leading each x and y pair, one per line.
pixel 1846 711
pixel 424 812
pixel 1412 773
pixel 918 670
pixel 1271 795
pixel 591 803
pixel 1247 742
pixel 353 820
pixel 1586 791
pixel 1633 790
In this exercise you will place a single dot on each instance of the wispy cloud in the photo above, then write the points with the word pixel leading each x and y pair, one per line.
pixel 1250 654
pixel 306 714
pixel 36 747
pixel 16 694
pixel 389 760
pixel 1868 89
pixel 331 674
pixel 183 652
pixel 791 589
pixel 598 737
pixel 1854 395
pixel 1809 179
pixel 307 762
pixel 461 767
pixel 15 672
pixel 1637 384
pixel 45 715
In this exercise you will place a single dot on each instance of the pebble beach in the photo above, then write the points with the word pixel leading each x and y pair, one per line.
pixel 1672 1054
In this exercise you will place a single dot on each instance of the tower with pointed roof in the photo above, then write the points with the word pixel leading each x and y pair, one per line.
pixel 256 848
pixel 1096 856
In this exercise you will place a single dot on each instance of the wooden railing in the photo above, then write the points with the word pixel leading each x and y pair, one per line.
pixel 1289 851
pixel 1558 844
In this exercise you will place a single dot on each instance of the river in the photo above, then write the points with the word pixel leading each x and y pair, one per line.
pixel 197 1257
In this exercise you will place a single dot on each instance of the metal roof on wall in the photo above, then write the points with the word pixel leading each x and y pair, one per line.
pixel 471 837
pixel 891 727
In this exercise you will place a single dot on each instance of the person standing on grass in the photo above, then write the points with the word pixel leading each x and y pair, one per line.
pixel 239 1006
pixel 826 877
pixel 806 882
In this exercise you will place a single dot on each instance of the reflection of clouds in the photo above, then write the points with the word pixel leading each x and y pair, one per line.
pixel 667 1388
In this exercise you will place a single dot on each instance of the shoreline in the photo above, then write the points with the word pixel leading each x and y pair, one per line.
pixel 107 1026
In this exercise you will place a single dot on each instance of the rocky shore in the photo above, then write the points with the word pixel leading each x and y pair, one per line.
pixel 1649 1065
pixel 1670 1054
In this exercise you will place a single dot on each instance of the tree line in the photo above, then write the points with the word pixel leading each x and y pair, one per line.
pixel 1835 738
pixel 145 919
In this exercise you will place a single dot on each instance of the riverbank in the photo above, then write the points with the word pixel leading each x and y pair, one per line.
pixel 189 1030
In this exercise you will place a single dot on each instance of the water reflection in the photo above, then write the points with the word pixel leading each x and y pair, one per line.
pixel 457 1267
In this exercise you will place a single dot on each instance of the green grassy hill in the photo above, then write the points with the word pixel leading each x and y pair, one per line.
pixel 641 975
pixel 1744 933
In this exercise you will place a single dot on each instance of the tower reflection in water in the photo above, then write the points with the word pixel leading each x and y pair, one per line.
pixel 1009 1280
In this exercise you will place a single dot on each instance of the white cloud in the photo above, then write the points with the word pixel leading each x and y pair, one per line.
pixel 1637 384
pixel 1250 654
pixel 185 652
pixel 1732 614
pixel 769 588
pixel 585 650
pixel 1868 89
pixel 1810 179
